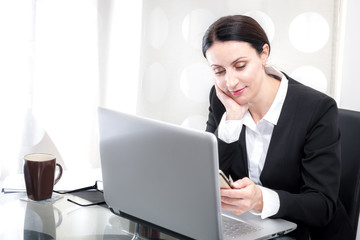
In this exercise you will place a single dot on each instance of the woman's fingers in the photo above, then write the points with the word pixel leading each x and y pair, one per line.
pixel 244 196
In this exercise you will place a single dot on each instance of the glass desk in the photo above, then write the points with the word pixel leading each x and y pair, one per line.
pixel 62 219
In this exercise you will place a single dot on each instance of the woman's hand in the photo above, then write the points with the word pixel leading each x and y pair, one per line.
pixel 244 196
pixel 234 111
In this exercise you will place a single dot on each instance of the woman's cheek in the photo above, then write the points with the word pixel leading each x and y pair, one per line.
pixel 221 84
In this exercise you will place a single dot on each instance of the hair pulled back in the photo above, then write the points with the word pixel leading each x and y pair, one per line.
pixel 235 28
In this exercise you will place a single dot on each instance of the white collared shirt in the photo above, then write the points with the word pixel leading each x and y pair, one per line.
pixel 258 138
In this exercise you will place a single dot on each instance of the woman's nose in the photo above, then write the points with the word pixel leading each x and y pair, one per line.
pixel 231 79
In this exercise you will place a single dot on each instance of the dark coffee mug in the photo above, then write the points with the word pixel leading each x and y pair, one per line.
pixel 39 174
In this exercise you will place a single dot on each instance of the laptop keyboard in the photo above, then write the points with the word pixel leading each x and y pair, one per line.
pixel 233 228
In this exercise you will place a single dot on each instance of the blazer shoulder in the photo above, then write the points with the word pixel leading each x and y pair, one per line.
pixel 306 95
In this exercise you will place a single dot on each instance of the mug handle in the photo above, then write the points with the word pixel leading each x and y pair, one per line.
pixel 59 174
pixel 59 215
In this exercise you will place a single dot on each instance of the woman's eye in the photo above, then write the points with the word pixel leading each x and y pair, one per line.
pixel 240 66
pixel 219 72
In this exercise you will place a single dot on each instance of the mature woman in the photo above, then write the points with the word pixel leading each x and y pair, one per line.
pixel 278 139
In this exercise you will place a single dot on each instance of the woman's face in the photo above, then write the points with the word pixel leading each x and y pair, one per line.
pixel 238 69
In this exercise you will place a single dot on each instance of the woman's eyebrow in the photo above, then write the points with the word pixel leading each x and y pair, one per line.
pixel 215 65
pixel 237 60
pixel 233 62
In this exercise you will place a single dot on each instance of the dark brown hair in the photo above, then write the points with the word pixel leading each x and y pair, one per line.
pixel 238 28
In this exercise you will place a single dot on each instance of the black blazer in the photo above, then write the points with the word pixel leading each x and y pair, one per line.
pixel 302 164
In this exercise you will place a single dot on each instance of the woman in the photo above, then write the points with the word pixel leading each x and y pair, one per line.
pixel 278 139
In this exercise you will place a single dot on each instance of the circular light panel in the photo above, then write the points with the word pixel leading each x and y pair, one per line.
pixel 195 122
pixel 196 81
pixel 194 26
pixel 309 32
pixel 265 22
pixel 154 84
pixel 311 76
pixel 157 28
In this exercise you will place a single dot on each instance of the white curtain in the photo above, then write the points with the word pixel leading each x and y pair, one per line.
pixel 65 87
pixel 59 61
pixel 16 59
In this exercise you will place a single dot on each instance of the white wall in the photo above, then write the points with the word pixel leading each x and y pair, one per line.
pixel 174 76
pixel 350 78
pixel 350 85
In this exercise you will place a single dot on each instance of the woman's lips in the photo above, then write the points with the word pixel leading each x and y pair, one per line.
pixel 237 92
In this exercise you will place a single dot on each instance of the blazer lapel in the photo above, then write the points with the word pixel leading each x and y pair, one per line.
pixel 244 160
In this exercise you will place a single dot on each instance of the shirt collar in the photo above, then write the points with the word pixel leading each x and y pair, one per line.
pixel 272 116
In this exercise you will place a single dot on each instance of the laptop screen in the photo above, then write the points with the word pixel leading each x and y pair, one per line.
pixel 161 173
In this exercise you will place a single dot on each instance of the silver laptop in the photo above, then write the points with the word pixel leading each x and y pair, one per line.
pixel 166 176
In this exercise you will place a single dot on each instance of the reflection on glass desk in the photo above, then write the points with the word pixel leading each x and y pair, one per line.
pixel 62 219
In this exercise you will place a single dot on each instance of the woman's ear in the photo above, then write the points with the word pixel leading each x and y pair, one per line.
pixel 265 54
